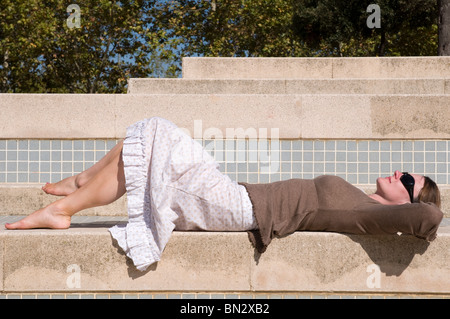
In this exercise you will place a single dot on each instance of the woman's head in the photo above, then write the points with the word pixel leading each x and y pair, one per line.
pixel 392 191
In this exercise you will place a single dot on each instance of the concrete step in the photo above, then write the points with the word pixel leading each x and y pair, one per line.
pixel 84 258
pixel 293 86
pixel 308 116
pixel 23 199
pixel 316 68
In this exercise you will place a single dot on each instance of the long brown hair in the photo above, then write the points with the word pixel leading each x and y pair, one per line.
pixel 430 192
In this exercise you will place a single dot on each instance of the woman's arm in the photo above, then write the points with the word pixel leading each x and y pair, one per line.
pixel 419 219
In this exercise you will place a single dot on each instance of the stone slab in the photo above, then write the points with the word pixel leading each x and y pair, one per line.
pixel 248 68
pixel 317 67
pixel 337 262
pixel 88 260
pixel 337 116
pixel 287 86
pixel 290 116
pixel 281 113
pixel 409 116
pixel 56 115
pixel 392 67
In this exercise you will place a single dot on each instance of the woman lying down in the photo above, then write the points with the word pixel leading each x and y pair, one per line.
pixel 172 183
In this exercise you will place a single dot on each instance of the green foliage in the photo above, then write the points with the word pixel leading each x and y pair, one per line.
pixel 41 53
pixel 339 28
pixel 117 40
pixel 295 28
pixel 231 28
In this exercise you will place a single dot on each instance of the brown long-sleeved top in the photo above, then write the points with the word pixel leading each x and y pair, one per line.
pixel 329 203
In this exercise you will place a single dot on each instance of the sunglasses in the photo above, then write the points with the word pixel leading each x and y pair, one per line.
pixel 408 181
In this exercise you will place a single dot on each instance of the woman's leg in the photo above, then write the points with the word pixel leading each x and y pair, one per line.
pixel 72 183
pixel 104 188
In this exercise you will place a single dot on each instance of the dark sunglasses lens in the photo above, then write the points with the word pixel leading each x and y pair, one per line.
pixel 407 179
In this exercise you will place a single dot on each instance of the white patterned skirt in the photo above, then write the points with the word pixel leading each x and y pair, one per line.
pixel 172 183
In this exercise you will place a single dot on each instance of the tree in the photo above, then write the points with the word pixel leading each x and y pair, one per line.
pixel 444 27
pixel 21 35
pixel 42 52
pixel 229 28
pixel 337 27
pixel 298 27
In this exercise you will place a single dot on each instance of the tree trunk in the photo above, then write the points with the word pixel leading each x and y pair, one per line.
pixel 444 27
pixel 382 47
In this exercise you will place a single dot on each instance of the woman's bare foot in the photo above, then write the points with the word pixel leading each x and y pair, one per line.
pixel 51 216
pixel 62 188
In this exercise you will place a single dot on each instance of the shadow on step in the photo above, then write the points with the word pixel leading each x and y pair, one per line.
pixel 99 224
pixel 392 254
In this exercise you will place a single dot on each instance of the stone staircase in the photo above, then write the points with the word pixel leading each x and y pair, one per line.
pixel 355 117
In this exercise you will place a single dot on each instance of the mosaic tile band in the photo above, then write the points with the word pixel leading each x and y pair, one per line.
pixel 254 161
pixel 208 295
